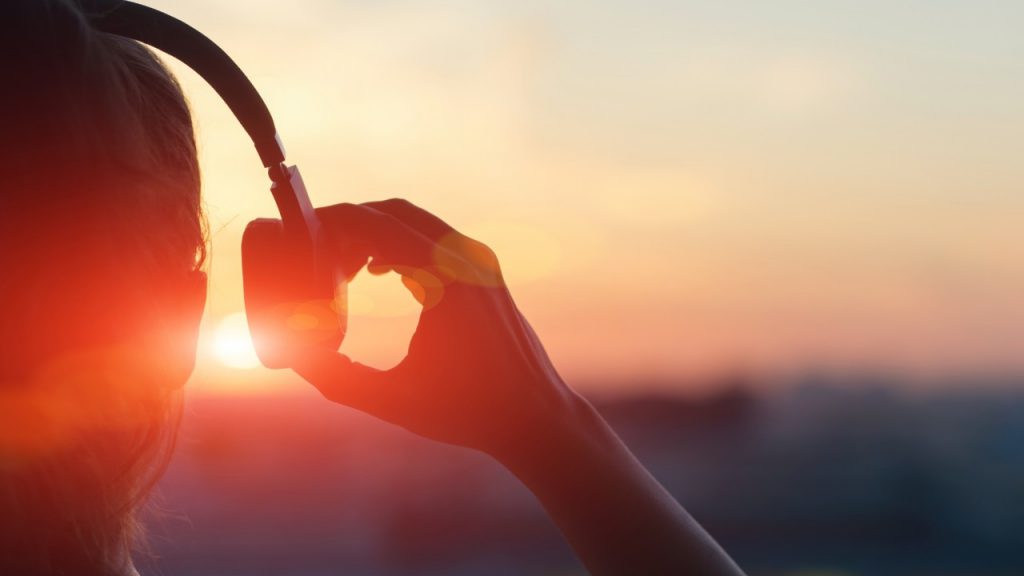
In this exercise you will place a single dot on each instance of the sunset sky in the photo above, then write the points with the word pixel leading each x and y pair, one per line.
pixel 675 188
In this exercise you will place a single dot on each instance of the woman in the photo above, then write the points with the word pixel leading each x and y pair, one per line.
pixel 102 294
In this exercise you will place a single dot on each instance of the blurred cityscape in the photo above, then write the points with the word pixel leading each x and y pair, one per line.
pixel 818 476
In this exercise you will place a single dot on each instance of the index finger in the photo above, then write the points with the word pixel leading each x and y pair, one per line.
pixel 346 382
pixel 415 217
pixel 379 235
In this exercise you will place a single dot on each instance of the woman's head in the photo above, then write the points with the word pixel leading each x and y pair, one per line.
pixel 101 244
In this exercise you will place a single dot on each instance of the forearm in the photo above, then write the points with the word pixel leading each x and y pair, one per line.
pixel 616 516
pixel 470 333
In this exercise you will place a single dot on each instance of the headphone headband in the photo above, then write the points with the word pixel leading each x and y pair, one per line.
pixel 202 55
pixel 287 270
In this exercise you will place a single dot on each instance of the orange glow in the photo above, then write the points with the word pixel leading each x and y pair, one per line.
pixel 663 205
pixel 382 318
pixel 110 389
pixel 232 345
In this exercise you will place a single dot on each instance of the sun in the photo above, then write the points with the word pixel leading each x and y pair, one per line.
pixel 232 344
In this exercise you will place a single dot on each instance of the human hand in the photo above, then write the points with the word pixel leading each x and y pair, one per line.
pixel 476 374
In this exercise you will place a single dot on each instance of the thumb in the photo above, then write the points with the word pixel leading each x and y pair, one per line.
pixel 346 382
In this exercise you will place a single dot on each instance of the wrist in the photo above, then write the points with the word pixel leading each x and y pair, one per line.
pixel 556 439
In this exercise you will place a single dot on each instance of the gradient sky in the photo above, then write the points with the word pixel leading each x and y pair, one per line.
pixel 674 188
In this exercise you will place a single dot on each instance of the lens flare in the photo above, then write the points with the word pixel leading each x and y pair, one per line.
pixel 232 344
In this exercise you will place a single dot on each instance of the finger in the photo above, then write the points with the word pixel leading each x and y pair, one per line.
pixel 378 267
pixel 350 262
pixel 425 287
pixel 346 382
pixel 452 247
pixel 369 232
pixel 415 217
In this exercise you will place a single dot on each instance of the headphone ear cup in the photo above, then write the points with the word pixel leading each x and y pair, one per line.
pixel 293 303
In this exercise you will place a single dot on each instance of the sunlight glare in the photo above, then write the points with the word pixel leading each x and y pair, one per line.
pixel 527 253
pixel 382 319
pixel 232 344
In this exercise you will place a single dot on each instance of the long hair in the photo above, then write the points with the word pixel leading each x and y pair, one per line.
pixel 100 229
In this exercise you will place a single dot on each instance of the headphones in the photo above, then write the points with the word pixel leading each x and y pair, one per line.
pixel 294 299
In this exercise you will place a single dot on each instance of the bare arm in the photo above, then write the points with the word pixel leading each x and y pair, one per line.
pixel 616 516
pixel 476 375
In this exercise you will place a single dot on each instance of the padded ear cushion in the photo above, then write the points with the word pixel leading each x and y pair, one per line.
pixel 292 302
